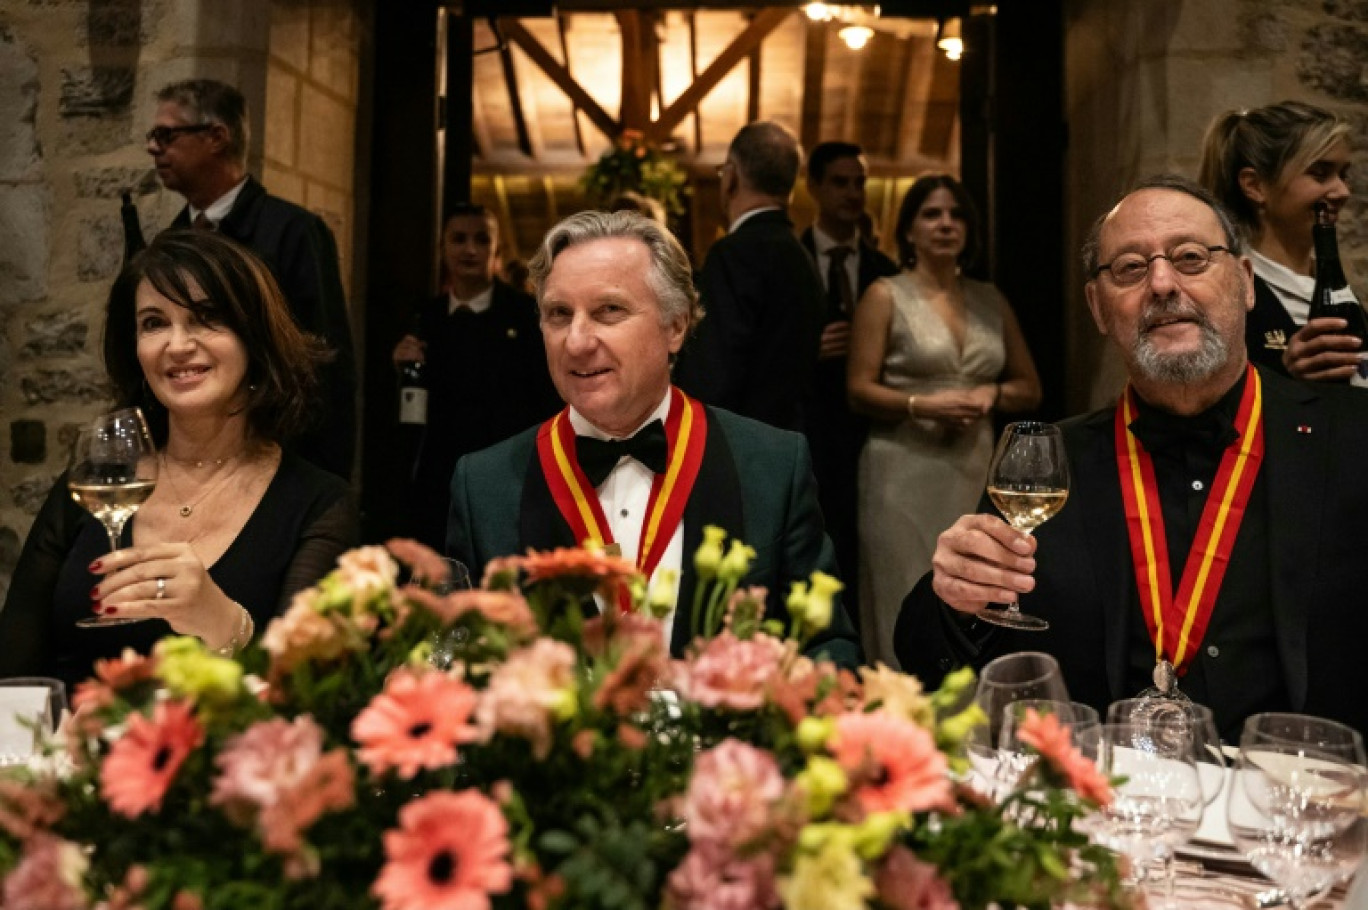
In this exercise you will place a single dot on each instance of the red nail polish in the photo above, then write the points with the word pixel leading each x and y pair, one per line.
pixel 110 611
pixel 96 565
pixel 95 593
pixel 97 606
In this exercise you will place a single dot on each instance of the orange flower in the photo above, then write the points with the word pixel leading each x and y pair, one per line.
pixel 416 722
pixel 506 608
pixel 327 786
pixel 1054 742
pixel 625 689
pixel 596 565
pixel 450 852
pixel 423 561
pixel 141 765
pixel 893 764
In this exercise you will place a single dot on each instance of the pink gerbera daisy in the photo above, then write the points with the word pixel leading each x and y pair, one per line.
pixel 1054 741
pixel 416 722
pixel 142 763
pixel 893 763
pixel 450 852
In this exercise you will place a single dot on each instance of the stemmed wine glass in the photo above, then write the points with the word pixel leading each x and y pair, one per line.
pixel 1028 481
pixel 1297 805
pixel 1005 681
pixel 1157 802
pixel 113 471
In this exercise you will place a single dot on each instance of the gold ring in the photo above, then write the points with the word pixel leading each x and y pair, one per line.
pixel 161 588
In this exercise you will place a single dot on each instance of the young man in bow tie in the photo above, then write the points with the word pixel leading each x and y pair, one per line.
pixel 632 461
pixel 1212 534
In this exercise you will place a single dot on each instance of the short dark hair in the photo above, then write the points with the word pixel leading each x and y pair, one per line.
pixel 768 157
pixel 1092 246
pixel 916 198
pixel 824 153
pixel 211 101
pixel 236 291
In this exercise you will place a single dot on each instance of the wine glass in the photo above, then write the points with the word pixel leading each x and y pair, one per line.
pixel 446 643
pixel 31 708
pixel 1004 681
pixel 1195 721
pixel 1016 757
pixel 113 471
pixel 1296 806
pixel 1157 801
pixel 1028 481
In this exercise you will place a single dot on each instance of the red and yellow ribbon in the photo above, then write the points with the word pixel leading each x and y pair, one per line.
pixel 1177 622
pixel 686 430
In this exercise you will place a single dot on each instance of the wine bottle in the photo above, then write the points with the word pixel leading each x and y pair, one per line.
pixel 132 228
pixel 413 390
pixel 1333 296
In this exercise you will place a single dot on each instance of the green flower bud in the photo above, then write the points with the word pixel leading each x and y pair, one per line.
pixel 736 563
pixel 823 781
pixel 709 555
pixel 813 733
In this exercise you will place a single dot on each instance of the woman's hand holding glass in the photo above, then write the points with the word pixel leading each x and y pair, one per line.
pixel 163 581
pixel 1297 803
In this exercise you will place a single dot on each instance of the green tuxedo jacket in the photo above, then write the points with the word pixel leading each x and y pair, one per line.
pixel 755 482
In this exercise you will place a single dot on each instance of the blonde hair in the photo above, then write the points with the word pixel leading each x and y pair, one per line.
pixel 1276 141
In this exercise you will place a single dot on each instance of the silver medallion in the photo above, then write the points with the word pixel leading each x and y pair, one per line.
pixel 1165 677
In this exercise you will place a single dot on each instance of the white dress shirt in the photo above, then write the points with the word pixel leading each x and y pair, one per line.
pixel 747 216
pixel 823 243
pixel 220 207
pixel 624 494
pixel 477 304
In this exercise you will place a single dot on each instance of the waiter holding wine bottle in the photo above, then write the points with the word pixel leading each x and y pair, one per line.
pixel 1210 539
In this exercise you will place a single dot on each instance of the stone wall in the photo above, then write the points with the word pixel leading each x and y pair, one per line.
pixel 77 79
pixel 1143 80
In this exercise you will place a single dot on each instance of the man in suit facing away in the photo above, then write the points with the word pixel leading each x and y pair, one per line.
pixel 756 352
pixel 836 175
pixel 1212 533
pixel 632 461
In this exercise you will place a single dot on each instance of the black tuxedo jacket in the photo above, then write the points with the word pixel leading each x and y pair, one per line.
pixel 755 482
pixel 755 351
pixel 1268 328
pixel 300 250
pixel 1317 491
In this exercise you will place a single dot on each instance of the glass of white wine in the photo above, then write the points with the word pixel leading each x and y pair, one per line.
pixel 1028 481
pixel 113 471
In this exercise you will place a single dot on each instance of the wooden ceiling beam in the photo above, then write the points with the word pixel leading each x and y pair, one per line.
pixel 765 22
pixel 640 65
pixel 515 100
pixel 912 113
pixel 814 75
pixel 942 107
pixel 558 74
pixel 753 85
pixel 563 33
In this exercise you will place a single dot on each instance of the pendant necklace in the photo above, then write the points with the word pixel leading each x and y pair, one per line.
pixel 188 509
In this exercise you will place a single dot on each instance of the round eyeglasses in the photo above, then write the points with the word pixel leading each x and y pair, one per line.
pixel 1192 258
pixel 162 136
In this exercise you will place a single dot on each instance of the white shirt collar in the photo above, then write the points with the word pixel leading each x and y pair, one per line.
pixel 220 207
pixel 477 304
pixel 1285 282
pixel 583 427
pixel 822 242
pixel 747 216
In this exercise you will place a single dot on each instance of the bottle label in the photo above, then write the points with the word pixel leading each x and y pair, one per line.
pixel 413 405
pixel 1343 295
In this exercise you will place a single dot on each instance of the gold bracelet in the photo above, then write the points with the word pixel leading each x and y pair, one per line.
pixel 911 406
pixel 246 628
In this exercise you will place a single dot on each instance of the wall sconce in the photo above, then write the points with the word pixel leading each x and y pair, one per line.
pixel 951 38
pixel 855 36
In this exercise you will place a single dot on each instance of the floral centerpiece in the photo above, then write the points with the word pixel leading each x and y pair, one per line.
pixel 386 746
pixel 635 165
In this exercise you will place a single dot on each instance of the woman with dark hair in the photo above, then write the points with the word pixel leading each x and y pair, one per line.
pixel 933 355
pixel 1269 167
pixel 198 335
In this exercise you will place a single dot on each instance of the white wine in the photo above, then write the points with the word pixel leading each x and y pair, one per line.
pixel 1027 510
pixel 112 503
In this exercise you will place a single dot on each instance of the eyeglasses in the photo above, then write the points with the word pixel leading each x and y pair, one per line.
pixel 1129 269
pixel 165 135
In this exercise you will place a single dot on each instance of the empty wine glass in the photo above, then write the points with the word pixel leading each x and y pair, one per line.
pixel 1015 757
pixel 1008 679
pixel 1157 801
pixel 446 643
pixel 1028 482
pixel 113 471
pixel 1296 806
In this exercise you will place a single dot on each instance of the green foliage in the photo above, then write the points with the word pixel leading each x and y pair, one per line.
pixel 634 165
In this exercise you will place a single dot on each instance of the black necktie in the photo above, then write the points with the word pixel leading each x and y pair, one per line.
pixel 840 296
pixel 203 223
pixel 598 457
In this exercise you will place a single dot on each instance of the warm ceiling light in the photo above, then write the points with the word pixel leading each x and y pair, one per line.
pixel 951 41
pixel 855 36
pixel 818 12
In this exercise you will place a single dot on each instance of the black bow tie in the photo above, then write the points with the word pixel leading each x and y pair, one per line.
pixel 598 457
pixel 1157 431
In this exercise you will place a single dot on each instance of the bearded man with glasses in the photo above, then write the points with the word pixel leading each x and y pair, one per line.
pixel 198 143
pixel 1212 536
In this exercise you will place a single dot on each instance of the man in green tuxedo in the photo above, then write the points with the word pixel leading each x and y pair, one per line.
pixel 631 460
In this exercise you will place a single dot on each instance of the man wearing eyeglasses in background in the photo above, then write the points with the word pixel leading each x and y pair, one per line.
pixel 1237 497
pixel 198 143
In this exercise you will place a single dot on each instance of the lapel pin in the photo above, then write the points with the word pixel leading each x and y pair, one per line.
pixel 1304 429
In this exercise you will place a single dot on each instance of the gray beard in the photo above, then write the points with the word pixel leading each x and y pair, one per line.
pixel 1194 366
